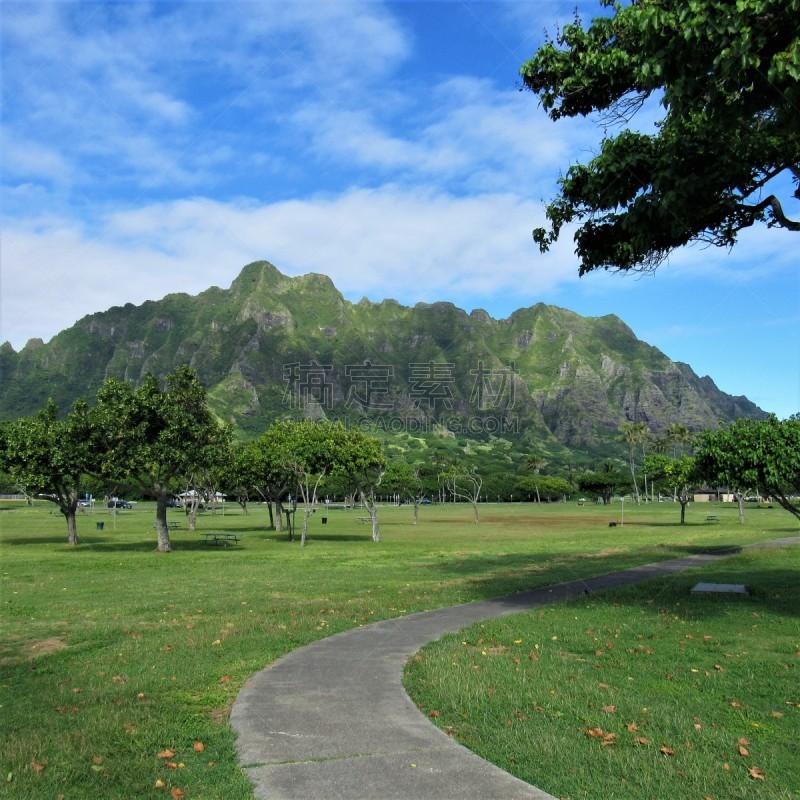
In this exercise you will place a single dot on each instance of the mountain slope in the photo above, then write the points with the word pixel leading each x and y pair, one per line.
pixel 545 378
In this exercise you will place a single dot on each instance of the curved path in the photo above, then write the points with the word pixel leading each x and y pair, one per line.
pixel 332 720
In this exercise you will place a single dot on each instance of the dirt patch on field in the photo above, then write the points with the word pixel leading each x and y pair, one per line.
pixel 609 551
pixel 44 647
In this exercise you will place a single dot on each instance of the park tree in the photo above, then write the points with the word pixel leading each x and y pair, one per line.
pixel 764 454
pixel 464 484
pixel 634 434
pixel 240 476
pixel 156 435
pixel 724 156
pixel 404 480
pixel 679 437
pixel 274 478
pixel 361 459
pixel 309 450
pixel 49 457
pixel 678 475
pixel 603 483
pixel 536 463
pixel 305 452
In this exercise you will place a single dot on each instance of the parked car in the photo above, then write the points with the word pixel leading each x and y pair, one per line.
pixel 119 504
pixel 174 504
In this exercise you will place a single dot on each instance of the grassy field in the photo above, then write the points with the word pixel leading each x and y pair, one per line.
pixel 119 664
pixel 646 692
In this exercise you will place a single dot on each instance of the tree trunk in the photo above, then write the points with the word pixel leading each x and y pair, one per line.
pixel 684 501
pixel 277 520
pixel 307 512
pixel 416 512
pixel 376 531
pixel 191 511
pixel 72 526
pixel 475 511
pixel 162 530
pixel 369 503
pixel 740 500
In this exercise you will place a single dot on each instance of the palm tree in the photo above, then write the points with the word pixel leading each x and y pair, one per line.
pixel 534 463
pixel 680 437
pixel 633 433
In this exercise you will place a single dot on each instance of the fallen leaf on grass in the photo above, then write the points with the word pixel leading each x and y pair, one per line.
pixel 777 714
pixel 97 759
pixel 641 740
pixel 743 751
pixel 667 751
pixel 757 773
pixel 433 714
pixel 225 679
pixel 36 766
pixel 160 784
pixel 176 793
pixel 598 733
pixel 610 709
pixel 166 754
pixel 632 727
pixel 199 747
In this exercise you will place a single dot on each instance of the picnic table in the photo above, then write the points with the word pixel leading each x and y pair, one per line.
pixel 712 518
pixel 363 519
pixel 173 526
pixel 220 539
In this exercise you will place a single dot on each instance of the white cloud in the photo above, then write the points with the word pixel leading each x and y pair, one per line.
pixel 388 242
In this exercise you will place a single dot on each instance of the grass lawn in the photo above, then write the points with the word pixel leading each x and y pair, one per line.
pixel 645 692
pixel 114 656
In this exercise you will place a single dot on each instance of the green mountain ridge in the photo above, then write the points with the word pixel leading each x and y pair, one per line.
pixel 270 346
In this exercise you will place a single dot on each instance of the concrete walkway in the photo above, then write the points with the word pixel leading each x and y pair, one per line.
pixel 332 721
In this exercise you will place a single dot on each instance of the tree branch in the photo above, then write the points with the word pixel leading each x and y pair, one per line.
pixel 776 211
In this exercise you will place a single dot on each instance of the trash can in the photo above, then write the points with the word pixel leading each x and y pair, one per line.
pixel 100 525
pixel 324 520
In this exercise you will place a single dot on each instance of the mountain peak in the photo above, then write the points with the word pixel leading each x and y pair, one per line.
pixel 273 345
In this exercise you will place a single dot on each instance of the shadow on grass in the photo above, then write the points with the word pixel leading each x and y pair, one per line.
pixel 495 576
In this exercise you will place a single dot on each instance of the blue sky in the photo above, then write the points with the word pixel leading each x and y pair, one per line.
pixel 150 148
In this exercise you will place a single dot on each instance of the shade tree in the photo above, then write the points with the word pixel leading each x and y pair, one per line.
pixel 764 454
pixel 157 434
pixel 361 459
pixel 725 152
pixel 404 480
pixel 678 475
pixel 603 483
pixel 49 457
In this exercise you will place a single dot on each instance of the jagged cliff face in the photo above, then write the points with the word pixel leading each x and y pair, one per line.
pixel 274 346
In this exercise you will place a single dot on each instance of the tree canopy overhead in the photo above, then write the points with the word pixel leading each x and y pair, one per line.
pixel 728 77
